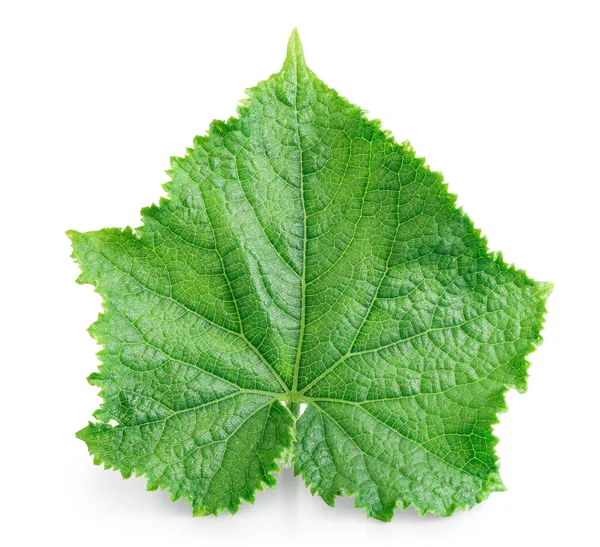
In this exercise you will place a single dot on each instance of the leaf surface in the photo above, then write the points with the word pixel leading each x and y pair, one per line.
pixel 304 257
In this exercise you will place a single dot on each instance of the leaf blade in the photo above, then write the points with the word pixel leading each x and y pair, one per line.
pixel 303 256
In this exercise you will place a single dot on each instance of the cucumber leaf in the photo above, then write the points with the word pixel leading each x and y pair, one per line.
pixel 304 260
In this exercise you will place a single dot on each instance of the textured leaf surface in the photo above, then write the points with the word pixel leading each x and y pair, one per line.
pixel 303 256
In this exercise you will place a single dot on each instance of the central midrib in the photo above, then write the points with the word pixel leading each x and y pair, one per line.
pixel 294 405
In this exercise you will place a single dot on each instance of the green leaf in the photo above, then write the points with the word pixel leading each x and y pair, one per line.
pixel 304 257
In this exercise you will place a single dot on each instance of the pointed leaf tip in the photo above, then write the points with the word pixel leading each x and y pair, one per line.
pixel 295 52
pixel 82 434
pixel 72 234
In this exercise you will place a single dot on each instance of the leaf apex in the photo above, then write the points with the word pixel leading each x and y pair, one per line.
pixel 295 51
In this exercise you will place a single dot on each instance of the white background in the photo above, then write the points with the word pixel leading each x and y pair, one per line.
pixel 503 97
